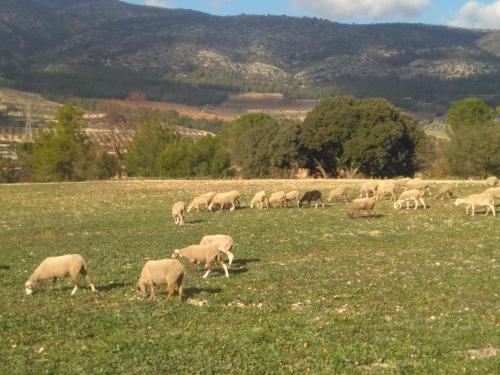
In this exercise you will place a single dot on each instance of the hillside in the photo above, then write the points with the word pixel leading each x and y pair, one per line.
pixel 106 48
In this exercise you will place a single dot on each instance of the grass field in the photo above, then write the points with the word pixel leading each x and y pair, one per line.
pixel 311 290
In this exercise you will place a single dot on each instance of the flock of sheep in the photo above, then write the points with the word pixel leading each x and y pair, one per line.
pixel 170 272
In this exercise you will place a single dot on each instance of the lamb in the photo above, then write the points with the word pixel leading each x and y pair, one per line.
pixel 168 272
pixel 223 242
pixel 312 196
pixel 362 204
pixel 418 184
pixel 207 254
pixel 72 265
pixel 292 196
pixel 178 213
pixel 492 181
pixel 277 198
pixel 410 195
pixel 444 192
pixel 368 188
pixel 259 199
pixel 481 200
pixel 337 193
pixel 222 199
pixel 386 188
pixel 203 200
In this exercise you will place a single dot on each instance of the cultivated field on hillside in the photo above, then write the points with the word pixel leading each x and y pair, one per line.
pixel 310 289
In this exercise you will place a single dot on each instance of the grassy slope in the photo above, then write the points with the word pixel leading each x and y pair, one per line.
pixel 408 292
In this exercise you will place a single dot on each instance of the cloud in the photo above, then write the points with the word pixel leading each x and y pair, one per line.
pixel 363 9
pixel 479 15
pixel 158 3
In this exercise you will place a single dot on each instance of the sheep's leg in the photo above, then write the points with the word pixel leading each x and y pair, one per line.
pixel 423 203
pixel 493 208
pixel 473 210
pixel 153 292
pixel 225 268
pixel 407 205
pixel 416 204
pixel 170 289
pixel 207 273
pixel 181 292
pixel 232 206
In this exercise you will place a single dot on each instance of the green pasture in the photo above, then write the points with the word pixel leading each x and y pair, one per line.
pixel 311 290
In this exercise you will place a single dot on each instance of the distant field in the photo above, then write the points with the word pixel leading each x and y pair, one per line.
pixel 310 290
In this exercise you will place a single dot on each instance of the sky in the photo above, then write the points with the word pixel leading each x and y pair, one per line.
pixel 462 13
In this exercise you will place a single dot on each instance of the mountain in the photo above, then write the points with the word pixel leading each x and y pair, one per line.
pixel 106 48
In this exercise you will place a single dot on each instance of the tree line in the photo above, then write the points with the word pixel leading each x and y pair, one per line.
pixel 341 137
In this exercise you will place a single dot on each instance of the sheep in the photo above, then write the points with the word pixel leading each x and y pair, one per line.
pixel 418 184
pixel 444 192
pixel 494 192
pixel 223 242
pixel 202 254
pixel 203 200
pixel 71 265
pixel 368 188
pixel 292 196
pixel 337 193
pixel 222 199
pixel 362 204
pixel 481 200
pixel 492 181
pixel 401 182
pixel 259 199
pixel 312 196
pixel 178 213
pixel 276 198
pixel 168 272
pixel 384 188
pixel 410 195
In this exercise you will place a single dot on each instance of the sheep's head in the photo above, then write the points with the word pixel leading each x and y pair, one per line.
pixel 141 288
pixel 176 254
pixel 28 287
pixel 397 204
pixel 458 201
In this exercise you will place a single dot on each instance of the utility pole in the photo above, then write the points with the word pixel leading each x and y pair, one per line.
pixel 28 131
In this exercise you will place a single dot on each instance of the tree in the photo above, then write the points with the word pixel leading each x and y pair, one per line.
pixel 474 148
pixel 63 151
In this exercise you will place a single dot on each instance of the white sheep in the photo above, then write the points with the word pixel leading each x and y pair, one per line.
pixel 410 195
pixel 386 188
pixel 478 200
pixel 337 193
pixel 362 204
pixel 292 196
pixel 207 254
pixel 52 268
pixel 259 200
pixel 418 184
pixel 221 199
pixel 178 213
pixel 223 242
pixel 494 192
pixel 200 201
pixel 492 181
pixel 168 272
pixel 277 198
pixel 401 182
pixel 368 188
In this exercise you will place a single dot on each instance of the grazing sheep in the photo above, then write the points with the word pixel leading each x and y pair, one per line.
pixel 492 181
pixel 168 272
pixel 419 184
pixel 362 204
pixel 312 196
pixel 386 188
pixel 72 265
pixel 337 193
pixel 401 182
pixel 277 198
pixel 444 192
pixel 223 242
pixel 368 188
pixel 410 195
pixel 292 196
pixel 259 199
pixel 203 200
pixel 494 192
pixel 178 213
pixel 481 200
pixel 197 254
pixel 222 199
